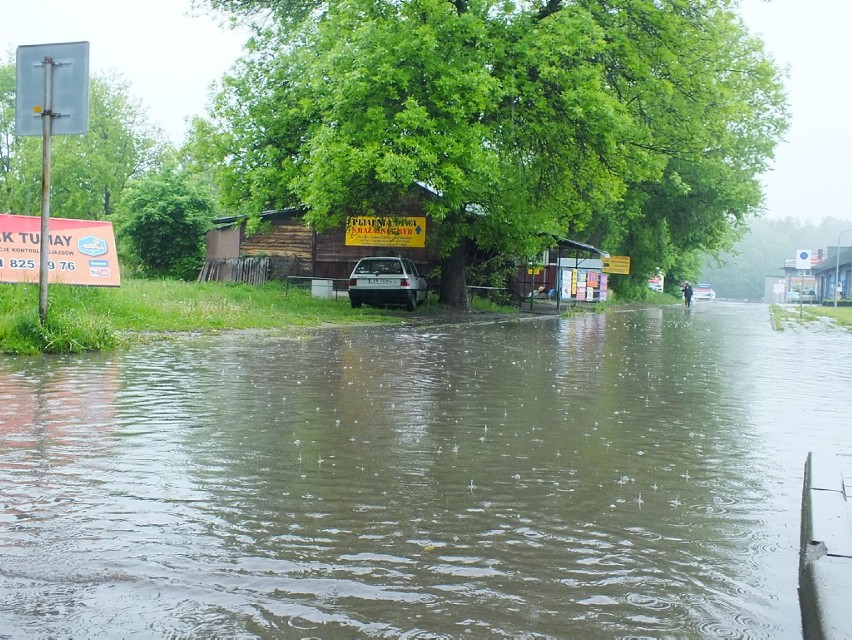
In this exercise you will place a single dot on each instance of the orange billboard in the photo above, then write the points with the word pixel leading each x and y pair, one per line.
pixel 81 252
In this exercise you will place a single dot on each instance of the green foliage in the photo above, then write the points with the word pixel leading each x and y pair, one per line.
pixel 88 172
pixel 7 125
pixel 715 113
pixel 86 318
pixel 162 222
pixel 70 328
pixel 687 266
pixel 643 126
pixel 494 271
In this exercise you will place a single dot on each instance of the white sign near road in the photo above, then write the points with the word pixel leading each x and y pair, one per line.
pixel 803 259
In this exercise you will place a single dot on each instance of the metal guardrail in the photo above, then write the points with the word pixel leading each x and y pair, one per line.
pixel 484 292
pixel 322 287
pixel 306 280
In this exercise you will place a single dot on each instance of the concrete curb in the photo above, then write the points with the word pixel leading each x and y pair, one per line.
pixel 825 559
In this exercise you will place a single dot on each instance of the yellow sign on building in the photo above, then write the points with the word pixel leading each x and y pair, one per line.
pixel 616 264
pixel 386 231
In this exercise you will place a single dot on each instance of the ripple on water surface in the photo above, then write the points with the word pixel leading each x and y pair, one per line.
pixel 558 478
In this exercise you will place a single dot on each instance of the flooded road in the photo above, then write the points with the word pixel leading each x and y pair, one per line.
pixel 635 474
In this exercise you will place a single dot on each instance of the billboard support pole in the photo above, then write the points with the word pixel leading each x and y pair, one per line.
pixel 47 124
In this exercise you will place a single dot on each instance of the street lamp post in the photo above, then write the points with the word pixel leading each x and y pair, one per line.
pixel 837 265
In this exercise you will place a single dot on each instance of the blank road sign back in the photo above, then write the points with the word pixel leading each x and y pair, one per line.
pixel 70 88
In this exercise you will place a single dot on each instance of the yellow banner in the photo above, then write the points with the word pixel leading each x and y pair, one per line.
pixel 386 231
pixel 616 264
pixel 80 252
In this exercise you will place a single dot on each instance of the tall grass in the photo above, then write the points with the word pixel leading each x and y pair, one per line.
pixel 71 325
pixel 168 305
pixel 83 318
pixel 87 318
pixel 777 316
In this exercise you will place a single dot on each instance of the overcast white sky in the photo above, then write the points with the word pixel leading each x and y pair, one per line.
pixel 170 59
pixel 169 54
pixel 811 178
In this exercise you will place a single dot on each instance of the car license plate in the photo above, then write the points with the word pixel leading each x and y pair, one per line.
pixel 380 281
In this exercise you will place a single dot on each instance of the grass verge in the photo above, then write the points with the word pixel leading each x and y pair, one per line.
pixel 777 316
pixel 85 319
pixel 88 319
pixel 840 316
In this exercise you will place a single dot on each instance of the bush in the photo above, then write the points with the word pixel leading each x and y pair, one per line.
pixel 162 221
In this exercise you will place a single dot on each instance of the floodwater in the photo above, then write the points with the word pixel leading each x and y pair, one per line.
pixel 636 474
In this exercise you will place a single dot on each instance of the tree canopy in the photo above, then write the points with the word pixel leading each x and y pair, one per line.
pixel 88 172
pixel 640 125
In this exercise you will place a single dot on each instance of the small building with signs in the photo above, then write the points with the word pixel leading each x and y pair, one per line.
pixel 288 248
pixel 774 289
pixel 571 271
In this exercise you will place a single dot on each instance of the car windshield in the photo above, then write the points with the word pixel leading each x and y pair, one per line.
pixel 379 266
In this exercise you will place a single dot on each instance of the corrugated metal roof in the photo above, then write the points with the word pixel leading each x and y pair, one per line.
pixel 575 244
pixel 290 212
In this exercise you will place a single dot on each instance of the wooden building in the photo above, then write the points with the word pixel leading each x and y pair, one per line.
pixel 287 248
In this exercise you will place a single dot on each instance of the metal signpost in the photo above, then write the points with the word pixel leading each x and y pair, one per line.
pixel 803 263
pixel 51 97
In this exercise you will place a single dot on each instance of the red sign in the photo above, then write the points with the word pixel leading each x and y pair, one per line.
pixel 81 252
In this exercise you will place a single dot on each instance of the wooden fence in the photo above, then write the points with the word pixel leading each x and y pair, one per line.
pixel 251 270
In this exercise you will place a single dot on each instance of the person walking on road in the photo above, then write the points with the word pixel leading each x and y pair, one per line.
pixel 687 294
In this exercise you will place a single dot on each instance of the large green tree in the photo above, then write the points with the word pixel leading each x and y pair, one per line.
pixel 637 123
pixel 7 130
pixel 88 172
pixel 731 113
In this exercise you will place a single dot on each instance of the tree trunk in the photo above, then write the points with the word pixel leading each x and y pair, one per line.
pixel 454 279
